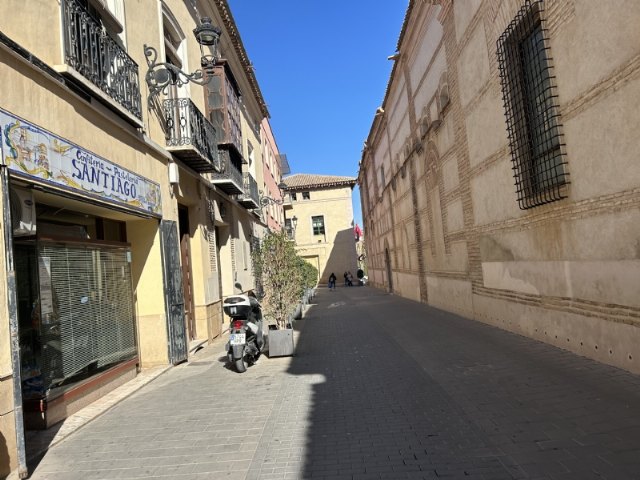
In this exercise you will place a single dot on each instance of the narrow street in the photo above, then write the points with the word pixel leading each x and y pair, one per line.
pixel 380 388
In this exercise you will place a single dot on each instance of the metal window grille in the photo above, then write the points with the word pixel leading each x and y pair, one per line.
pixel 213 250
pixel 86 304
pixel 533 121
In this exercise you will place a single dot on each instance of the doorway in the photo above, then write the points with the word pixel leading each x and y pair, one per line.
pixel 187 271
pixel 387 259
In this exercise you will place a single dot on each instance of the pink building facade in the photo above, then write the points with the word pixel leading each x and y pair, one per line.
pixel 274 165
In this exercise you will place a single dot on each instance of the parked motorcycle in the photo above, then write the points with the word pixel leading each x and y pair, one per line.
pixel 246 339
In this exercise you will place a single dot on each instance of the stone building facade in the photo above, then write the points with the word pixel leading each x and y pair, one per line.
pixel 500 178
pixel 319 217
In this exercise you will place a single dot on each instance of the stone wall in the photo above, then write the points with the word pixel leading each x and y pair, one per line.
pixel 446 218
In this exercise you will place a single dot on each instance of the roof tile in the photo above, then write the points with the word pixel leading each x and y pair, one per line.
pixel 300 181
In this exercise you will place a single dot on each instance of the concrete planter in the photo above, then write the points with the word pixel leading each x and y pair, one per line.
pixel 280 342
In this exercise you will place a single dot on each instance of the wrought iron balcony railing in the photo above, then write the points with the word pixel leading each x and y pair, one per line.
pixel 229 179
pixel 291 233
pixel 251 197
pixel 91 52
pixel 190 136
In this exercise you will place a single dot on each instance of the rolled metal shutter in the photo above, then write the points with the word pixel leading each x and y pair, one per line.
pixel 86 308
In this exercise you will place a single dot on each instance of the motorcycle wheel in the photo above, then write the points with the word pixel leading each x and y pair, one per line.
pixel 241 365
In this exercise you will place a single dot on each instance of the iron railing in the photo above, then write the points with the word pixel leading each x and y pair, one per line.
pixel 533 119
pixel 228 170
pixel 186 125
pixel 250 189
pixel 96 56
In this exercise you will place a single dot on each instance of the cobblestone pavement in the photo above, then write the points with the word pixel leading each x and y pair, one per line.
pixel 380 388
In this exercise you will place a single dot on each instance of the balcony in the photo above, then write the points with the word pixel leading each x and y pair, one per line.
pixel 291 233
pixel 229 178
pixel 190 136
pixel 250 198
pixel 97 63
pixel 223 100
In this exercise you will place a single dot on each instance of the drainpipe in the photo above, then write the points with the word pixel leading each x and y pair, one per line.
pixel 13 322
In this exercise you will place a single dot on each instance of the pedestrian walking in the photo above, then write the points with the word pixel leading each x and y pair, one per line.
pixel 332 281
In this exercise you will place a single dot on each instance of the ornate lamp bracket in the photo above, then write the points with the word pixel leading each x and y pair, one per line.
pixel 161 75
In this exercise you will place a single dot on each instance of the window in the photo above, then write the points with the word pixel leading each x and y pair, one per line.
pixel 318 225
pixel 306 195
pixel 288 227
pixel 533 121
pixel 250 150
pixel 110 14
pixel 294 197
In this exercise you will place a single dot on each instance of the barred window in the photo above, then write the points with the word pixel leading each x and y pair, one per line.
pixel 533 120
pixel 318 225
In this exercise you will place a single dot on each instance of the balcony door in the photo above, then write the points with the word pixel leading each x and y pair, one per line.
pixel 174 54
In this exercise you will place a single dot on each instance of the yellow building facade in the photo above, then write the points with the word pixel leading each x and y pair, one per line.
pixel 319 217
pixel 130 206
pixel 500 179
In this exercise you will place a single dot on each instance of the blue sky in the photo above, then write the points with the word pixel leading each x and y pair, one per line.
pixel 322 67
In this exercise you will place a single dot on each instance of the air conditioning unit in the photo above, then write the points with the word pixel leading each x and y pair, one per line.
pixel 23 212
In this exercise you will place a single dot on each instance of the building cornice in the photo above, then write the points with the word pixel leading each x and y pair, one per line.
pixel 232 29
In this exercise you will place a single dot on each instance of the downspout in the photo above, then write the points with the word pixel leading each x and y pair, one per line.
pixel 12 305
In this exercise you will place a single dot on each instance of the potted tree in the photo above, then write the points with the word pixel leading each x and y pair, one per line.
pixel 279 277
pixel 308 282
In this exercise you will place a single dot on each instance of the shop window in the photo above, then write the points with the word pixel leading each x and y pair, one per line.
pixel 533 120
pixel 75 300
pixel 78 320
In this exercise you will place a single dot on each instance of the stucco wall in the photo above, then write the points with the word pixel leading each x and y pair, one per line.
pixel 335 249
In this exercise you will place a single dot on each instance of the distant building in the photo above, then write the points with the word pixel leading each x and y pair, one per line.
pixel 500 178
pixel 274 165
pixel 319 217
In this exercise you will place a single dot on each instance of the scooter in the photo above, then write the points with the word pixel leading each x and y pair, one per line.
pixel 246 339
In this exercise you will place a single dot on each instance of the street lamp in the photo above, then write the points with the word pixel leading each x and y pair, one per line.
pixel 265 200
pixel 162 74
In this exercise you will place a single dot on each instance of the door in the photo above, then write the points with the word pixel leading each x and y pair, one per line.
pixel 173 291
pixel 187 271
pixel 387 259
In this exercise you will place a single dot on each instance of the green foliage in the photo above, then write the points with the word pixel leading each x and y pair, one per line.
pixel 278 271
pixel 309 275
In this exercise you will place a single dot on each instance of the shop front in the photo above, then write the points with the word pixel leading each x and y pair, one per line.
pixel 74 288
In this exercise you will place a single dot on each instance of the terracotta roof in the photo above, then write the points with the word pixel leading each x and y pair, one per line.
pixel 301 181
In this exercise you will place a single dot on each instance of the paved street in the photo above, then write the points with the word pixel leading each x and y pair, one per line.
pixel 380 388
